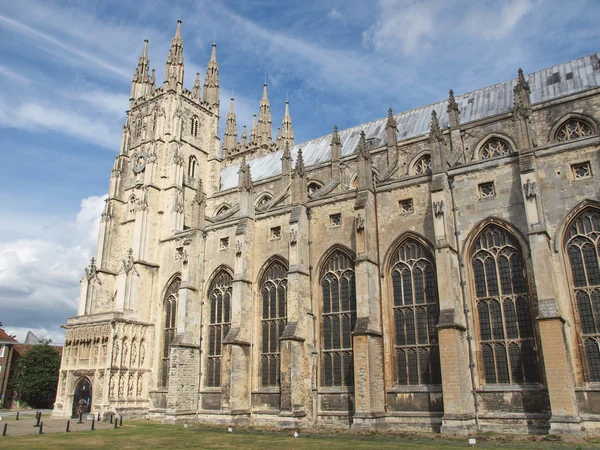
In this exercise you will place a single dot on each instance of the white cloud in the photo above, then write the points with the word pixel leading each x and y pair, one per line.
pixel 39 278
pixel 334 14
pixel 36 117
pixel 493 24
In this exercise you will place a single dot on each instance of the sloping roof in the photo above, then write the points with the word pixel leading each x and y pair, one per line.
pixel 547 84
pixel 32 339
pixel 5 338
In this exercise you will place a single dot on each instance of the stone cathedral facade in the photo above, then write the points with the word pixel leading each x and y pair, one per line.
pixel 436 269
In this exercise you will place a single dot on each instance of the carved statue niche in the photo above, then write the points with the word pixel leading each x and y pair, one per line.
pixel 140 384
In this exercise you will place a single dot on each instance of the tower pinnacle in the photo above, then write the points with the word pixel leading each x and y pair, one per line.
pixel 264 132
pixel 287 132
pixel 230 139
pixel 174 66
pixel 140 85
pixel 211 82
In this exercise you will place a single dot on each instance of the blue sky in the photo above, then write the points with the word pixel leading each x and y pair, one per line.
pixel 66 69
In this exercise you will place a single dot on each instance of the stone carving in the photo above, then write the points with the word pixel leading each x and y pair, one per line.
pixel 122 385
pixel 111 390
pixel 91 273
pixel 142 352
pixel 438 208
pixel 140 384
pixel 293 237
pixel 125 352
pixel 530 188
pixel 115 354
pixel 239 245
pixel 129 264
pixel 181 254
pixel 130 387
pixel 359 222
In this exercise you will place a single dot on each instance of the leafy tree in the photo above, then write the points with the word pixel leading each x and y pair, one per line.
pixel 35 376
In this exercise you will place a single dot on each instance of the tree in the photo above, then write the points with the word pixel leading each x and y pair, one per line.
pixel 35 376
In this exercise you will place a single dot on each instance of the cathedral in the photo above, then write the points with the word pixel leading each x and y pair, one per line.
pixel 436 269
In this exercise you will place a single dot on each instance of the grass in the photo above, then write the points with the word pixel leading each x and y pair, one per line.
pixel 149 434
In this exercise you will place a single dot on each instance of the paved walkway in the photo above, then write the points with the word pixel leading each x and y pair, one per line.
pixel 25 425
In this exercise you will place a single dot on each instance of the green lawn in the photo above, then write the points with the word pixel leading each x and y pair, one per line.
pixel 149 434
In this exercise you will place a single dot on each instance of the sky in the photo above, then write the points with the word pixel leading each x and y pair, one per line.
pixel 65 78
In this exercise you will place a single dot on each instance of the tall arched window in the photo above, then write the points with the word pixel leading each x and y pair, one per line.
pixel 194 125
pixel 131 207
pixel 423 165
pixel 338 319
pixel 574 129
pixel 506 333
pixel 169 328
pixel 582 243
pixel 273 289
pixel 219 296
pixel 416 314
pixel 495 147
pixel 192 163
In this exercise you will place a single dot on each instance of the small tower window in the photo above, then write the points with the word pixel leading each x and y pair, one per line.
pixel 131 205
pixel 195 124
pixel 138 128
pixel 573 129
pixel 495 147
pixel 193 162
pixel 423 165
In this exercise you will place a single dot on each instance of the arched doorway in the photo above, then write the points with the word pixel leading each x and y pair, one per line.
pixel 82 399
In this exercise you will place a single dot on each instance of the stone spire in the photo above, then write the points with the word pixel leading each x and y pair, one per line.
pixel 244 137
pixel 211 82
pixel 196 91
pixel 230 139
pixel 286 160
pixel 453 111
pixel 253 130
pixel 336 145
pixel 174 66
pixel 391 128
pixel 264 131
pixel 244 177
pixel 522 101
pixel 435 132
pixel 363 150
pixel 140 85
pixel 287 132
pixel 300 170
pixel 299 182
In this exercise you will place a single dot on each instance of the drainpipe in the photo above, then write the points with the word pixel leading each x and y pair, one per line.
pixel 466 309
pixel 315 389
pixel 204 235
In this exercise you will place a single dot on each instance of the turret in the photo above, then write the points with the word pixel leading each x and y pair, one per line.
pixel 287 132
pixel 264 131
pixel 230 138
pixel 174 66
pixel 211 82
pixel 142 82
pixel 196 91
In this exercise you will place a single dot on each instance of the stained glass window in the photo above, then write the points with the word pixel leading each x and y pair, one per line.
pixel 507 341
pixel 338 320
pixel 582 246
pixel 495 147
pixel 573 129
pixel 416 314
pixel 170 328
pixel 219 297
pixel 423 165
pixel 274 303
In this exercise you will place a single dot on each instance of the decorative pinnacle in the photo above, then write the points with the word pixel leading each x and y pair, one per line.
pixel 287 154
pixel 522 83
pixel 200 196
pixel 363 151
pixel 452 105
pixel 391 121
pixel 335 138
pixel 300 163
pixel 435 132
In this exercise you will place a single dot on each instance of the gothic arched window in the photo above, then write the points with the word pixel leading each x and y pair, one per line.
pixel 423 165
pixel 131 207
pixel 338 318
pixel 495 147
pixel 219 297
pixel 313 187
pixel 273 290
pixel 192 163
pixel 574 129
pixel 416 314
pixel 506 332
pixel 582 243
pixel 194 125
pixel 138 128
pixel 169 327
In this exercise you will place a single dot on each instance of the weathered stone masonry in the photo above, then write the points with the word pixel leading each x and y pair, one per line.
pixel 436 269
